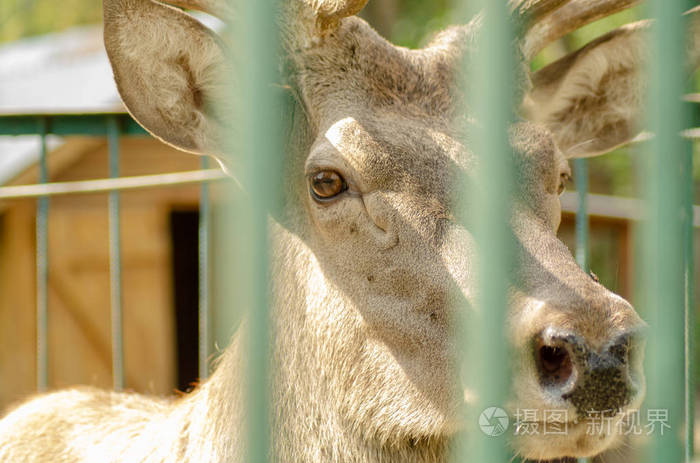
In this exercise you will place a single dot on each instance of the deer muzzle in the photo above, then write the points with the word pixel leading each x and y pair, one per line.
pixel 600 381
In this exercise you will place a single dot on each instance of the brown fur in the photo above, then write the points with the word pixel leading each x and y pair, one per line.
pixel 365 286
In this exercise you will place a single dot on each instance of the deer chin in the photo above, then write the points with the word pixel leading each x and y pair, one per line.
pixel 559 440
pixel 570 436
pixel 576 442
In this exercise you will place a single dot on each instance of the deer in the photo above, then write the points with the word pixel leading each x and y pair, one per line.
pixel 367 260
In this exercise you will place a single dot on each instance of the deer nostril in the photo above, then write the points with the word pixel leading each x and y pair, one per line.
pixel 552 358
pixel 554 364
pixel 602 379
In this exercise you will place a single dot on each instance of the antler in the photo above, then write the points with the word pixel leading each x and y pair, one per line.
pixel 331 11
pixel 322 15
pixel 533 10
pixel 567 18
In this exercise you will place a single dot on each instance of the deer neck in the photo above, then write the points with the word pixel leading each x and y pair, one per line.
pixel 317 339
pixel 307 413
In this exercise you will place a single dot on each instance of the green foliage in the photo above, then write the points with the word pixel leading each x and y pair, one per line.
pixel 587 33
pixel 616 172
pixel 418 20
pixel 25 18
pixel 582 36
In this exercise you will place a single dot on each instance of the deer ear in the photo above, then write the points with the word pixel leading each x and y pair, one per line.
pixel 169 70
pixel 592 99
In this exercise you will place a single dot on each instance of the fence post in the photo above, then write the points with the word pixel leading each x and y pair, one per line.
pixel 257 153
pixel 204 286
pixel 689 272
pixel 663 284
pixel 491 77
pixel 42 268
pixel 582 227
pixel 115 264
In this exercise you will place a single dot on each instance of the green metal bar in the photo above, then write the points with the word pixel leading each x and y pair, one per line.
pixel 42 271
pixel 582 245
pixel 492 75
pixel 663 284
pixel 261 72
pixel 204 309
pixel 68 124
pixel 115 264
pixel 258 157
pixel 582 227
pixel 689 271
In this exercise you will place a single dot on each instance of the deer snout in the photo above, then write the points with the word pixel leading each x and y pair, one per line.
pixel 601 381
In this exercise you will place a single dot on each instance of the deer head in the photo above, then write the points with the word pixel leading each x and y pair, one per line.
pixel 368 259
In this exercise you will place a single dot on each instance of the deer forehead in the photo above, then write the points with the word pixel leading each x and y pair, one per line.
pixel 387 151
pixel 355 66
pixel 390 113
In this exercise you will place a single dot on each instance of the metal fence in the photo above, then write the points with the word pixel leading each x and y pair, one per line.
pixel 667 250
pixel 113 127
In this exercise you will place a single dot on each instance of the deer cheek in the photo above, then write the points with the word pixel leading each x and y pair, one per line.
pixel 343 220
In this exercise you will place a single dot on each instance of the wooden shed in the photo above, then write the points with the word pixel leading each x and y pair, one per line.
pixel 159 247
pixel 69 72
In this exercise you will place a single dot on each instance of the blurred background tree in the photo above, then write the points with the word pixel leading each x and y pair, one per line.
pixel 25 18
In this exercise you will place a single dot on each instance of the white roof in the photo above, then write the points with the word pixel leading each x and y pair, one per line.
pixel 65 72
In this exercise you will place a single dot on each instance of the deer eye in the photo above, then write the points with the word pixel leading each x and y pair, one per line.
pixel 326 185
pixel 564 178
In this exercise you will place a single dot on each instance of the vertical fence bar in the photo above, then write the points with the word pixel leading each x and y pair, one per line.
pixel 663 250
pixel 492 75
pixel 689 271
pixel 42 269
pixel 204 311
pixel 258 157
pixel 582 227
pixel 115 264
